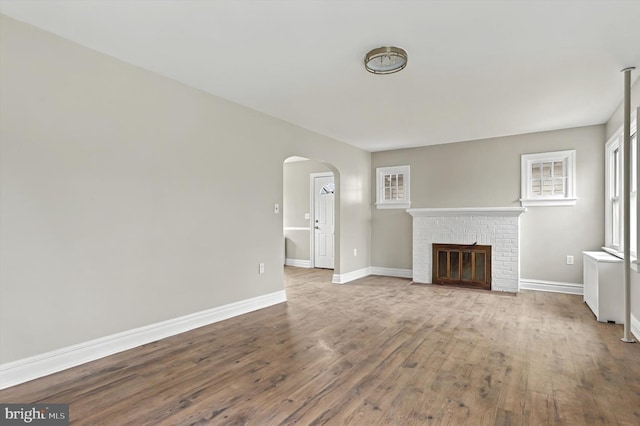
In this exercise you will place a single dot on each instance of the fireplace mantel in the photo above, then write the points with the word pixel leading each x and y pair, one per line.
pixel 467 211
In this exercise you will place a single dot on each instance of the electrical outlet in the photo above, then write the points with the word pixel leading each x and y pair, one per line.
pixel 569 260
pixel 355 252
pixel 261 268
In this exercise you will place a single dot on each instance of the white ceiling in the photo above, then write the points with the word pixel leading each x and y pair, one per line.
pixel 476 69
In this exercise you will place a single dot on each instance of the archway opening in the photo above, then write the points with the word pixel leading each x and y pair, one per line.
pixel 311 195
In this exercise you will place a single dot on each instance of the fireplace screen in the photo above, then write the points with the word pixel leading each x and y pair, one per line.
pixel 466 265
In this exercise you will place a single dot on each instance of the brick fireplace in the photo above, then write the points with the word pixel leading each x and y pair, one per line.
pixel 498 227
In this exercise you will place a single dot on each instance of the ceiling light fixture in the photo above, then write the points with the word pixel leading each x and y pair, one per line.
pixel 385 60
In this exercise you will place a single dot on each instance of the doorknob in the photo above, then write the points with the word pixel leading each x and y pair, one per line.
pixel 317 227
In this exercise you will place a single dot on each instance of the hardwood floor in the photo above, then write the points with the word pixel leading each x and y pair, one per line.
pixel 374 351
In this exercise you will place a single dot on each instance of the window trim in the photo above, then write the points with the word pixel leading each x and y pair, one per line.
pixel 381 203
pixel 528 199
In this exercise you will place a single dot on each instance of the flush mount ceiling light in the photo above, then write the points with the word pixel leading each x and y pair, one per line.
pixel 385 60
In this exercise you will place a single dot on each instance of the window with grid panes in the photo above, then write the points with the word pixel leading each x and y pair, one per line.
pixel 392 187
pixel 548 179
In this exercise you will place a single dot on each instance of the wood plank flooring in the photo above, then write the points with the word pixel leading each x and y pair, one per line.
pixel 372 352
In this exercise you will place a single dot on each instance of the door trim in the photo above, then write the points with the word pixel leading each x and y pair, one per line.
pixel 312 209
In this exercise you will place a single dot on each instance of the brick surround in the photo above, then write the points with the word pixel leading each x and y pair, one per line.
pixel 498 227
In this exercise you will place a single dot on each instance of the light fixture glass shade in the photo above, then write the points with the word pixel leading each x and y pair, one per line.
pixel 385 60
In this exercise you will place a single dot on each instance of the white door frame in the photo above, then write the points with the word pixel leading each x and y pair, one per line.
pixel 312 209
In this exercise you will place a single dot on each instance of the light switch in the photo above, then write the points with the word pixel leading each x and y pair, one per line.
pixel 276 208
pixel 307 216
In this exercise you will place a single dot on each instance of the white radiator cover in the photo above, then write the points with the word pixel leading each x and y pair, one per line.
pixel 604 286
pixel 498 227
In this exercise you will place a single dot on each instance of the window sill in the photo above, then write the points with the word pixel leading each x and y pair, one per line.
pixel 616 253
pixel 548 202
pixel 393 205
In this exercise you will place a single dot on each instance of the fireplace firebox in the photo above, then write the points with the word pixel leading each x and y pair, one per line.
pixel 467 265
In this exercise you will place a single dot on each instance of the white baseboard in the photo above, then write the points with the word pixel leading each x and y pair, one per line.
pixel 635 327
pixel 391 272
pixel 23 370
pixel 372 270
pixel 350 276
pixel 551 286
pixel 298 263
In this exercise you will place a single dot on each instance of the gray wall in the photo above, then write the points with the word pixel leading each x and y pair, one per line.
pixel 128 198
pixel 486 173
pixel 297 202
pixel 614 123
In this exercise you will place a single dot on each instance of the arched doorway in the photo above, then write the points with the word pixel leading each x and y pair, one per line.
pixel 310 205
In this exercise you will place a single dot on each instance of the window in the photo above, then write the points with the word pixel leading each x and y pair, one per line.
pixel 548 179
pixel 329 188
pixel 392 185
pixel 633 198
pixel 614 187
pixel 613 193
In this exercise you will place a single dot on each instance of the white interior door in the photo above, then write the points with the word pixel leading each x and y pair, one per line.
pixel 323 190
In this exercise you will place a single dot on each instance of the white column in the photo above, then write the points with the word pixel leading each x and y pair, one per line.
pixel 627 205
